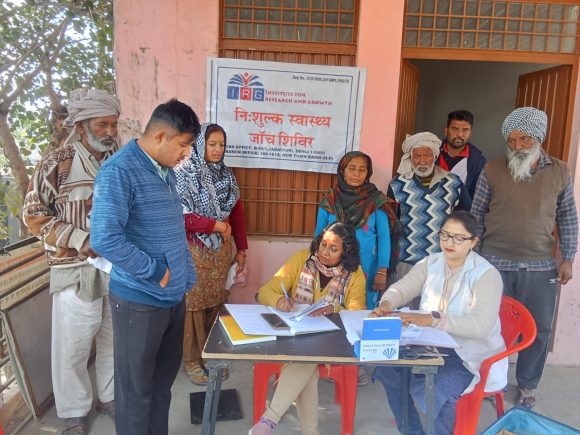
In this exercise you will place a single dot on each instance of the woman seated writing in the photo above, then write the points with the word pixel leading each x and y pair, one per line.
pixel 460 293
pixel 330 269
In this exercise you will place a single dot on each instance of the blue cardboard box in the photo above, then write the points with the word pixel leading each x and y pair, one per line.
pixel 380 339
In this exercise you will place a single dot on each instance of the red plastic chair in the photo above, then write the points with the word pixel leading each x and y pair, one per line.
pixel 345 389
pixel 516 322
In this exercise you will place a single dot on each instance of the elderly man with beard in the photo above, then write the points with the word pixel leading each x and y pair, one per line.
pixel 518 201
pixel 426 194
pixel 57 209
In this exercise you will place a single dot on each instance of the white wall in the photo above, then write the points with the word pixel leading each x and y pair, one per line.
pixel 487 89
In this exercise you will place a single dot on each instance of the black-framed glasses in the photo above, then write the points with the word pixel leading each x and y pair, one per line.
pixel 458 239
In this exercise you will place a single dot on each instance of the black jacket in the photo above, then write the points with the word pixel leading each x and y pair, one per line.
pixel 475 164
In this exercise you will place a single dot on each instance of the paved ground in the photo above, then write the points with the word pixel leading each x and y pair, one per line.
pixel 557 398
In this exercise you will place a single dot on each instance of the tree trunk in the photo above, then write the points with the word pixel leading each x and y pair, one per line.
pixel 17 165
pixel 12 153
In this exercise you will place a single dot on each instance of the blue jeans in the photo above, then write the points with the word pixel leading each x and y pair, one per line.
pixel 450 381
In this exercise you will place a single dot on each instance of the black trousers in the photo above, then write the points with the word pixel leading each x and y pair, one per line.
pixel 148 349
pixel 537 291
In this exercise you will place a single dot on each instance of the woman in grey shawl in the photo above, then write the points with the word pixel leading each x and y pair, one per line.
pixel 210 197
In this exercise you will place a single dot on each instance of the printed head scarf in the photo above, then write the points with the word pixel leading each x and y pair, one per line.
pixel 424 139
pixel 207 189
pixel 354 205
pixel 87 104
pixel 528 120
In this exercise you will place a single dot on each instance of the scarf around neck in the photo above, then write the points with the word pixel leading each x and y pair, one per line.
pixel 354 205
pixel 339 278
pixel 207 189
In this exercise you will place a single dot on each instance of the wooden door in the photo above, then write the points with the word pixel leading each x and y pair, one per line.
pixel 549 90
pixel 407 107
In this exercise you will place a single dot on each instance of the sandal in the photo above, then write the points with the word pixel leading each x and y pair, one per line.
pixel 362 378
pixel 525 398
pixel 196 373
pixel 75 426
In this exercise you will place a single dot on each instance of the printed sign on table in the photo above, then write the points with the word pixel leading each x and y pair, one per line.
pixel 379 340
pixel 285 116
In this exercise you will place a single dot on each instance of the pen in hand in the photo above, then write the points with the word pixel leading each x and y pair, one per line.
pixel 288 299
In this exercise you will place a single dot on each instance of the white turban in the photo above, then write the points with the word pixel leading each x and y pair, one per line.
pixel 85 105
pixel 424 139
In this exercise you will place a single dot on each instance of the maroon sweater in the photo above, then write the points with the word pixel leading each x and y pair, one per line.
pixel 195 223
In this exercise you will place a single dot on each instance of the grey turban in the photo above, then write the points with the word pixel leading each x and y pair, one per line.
pixel 85 105
pixel 528 120
pixel 424 139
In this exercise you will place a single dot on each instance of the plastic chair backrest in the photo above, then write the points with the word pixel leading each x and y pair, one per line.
pixel 516 322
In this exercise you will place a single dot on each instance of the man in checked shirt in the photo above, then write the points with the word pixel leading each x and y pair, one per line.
pixel 518 201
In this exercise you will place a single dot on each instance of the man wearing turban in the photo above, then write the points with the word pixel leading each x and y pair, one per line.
pixel 426 194
pixel 57 209
pixel 518 200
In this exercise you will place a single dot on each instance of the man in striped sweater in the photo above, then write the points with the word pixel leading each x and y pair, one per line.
pixel 137 224
pixel 426 194
pixel 56 209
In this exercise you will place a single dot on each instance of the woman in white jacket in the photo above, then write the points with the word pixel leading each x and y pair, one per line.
pixel 460 293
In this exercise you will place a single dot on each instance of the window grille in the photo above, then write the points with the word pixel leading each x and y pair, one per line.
pixel 492 25
pixel 326 21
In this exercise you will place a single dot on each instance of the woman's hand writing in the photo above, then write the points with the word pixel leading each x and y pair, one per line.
pixel 284 304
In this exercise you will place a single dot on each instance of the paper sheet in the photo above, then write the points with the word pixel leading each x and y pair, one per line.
pixel 298 313
pixel 101 264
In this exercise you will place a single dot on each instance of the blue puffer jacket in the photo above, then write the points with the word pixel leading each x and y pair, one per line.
pixel 137 224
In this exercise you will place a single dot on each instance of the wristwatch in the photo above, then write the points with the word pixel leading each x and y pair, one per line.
pixel 436 315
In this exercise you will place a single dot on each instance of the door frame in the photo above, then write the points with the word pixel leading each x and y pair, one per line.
pixel 511 56
pixel 410 53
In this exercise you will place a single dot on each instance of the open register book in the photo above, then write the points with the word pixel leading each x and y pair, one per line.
pixel 251 322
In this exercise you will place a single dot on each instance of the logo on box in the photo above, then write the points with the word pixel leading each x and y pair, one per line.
pixel 380 339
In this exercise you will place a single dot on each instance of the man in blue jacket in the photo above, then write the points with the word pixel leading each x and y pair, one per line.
pixel 458 155
pixel 137 224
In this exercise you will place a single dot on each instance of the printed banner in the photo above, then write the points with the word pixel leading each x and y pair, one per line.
pixel 283 115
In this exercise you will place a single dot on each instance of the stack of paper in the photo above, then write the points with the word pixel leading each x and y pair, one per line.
pixel 237 336
pixel 251 322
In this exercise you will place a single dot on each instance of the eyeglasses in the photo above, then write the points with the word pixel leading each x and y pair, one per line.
pixel 458 239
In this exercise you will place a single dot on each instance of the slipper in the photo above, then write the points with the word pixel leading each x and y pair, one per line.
pixel 75 426
pixel 196 373
pixel 525 398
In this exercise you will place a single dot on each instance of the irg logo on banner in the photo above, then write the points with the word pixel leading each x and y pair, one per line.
pixel 246 87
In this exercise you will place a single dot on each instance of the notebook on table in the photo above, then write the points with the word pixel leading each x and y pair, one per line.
pixel 237 336
pixel 249 318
